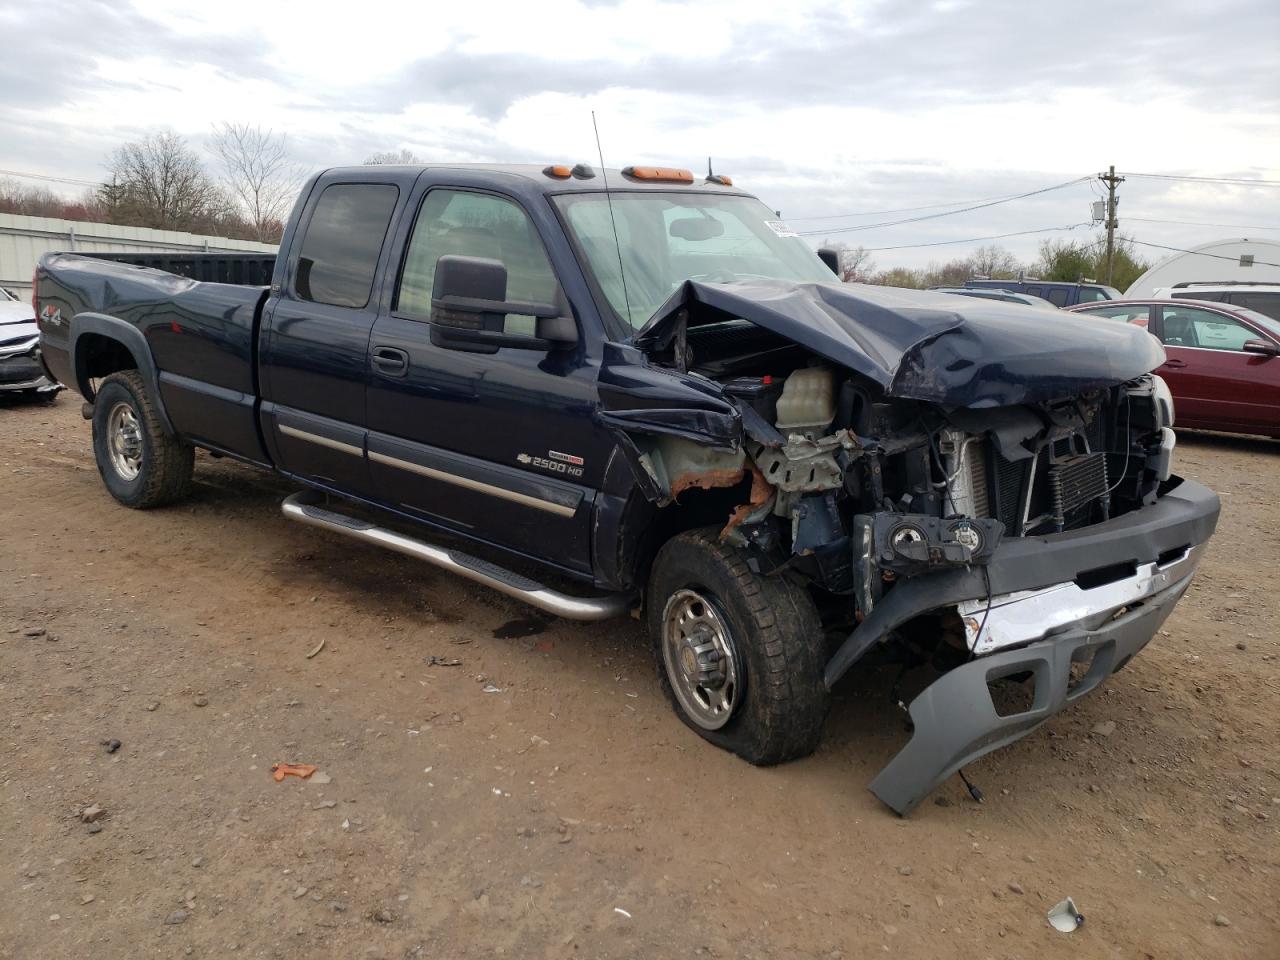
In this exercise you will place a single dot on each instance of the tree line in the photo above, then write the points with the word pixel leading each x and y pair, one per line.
pixel 162 182
pixel 1065 260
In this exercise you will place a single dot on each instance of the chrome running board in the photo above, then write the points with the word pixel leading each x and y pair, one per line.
pixel 302 506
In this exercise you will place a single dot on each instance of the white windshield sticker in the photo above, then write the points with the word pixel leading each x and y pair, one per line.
pixel 780 228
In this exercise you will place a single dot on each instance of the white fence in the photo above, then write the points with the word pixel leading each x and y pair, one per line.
pixel 23 240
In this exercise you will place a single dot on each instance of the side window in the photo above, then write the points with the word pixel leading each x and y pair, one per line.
pixel 340 250
pixel 1033 291
pixel 1217 296
pixel 1189 327
pixel 455 222
pixel 1057 296
pixel 1263 302
pixel 1091 294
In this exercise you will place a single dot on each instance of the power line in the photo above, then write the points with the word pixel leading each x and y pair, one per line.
pixel 40 176
pixel 946 213
pixel 1198 253
pixel 1202 223
pixel 1243 181
pixel 998 236
pixel 879 213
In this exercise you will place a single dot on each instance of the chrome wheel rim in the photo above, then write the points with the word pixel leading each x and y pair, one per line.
pixel 124 441
pixel 700 658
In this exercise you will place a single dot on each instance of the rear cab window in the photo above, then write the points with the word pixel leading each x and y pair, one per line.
pixel 339 253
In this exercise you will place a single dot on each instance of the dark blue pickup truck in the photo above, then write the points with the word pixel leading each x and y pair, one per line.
pixel 645 382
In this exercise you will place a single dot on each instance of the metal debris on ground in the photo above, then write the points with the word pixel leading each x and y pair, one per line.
pixel 319 647
pixel 1064 917
pixel 434 661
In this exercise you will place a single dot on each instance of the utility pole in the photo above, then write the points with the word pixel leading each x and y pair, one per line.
pixel 1112 181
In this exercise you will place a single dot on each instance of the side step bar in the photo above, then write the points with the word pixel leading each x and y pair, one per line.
pixel 302 507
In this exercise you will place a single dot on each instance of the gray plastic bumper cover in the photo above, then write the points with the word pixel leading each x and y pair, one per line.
pixel 955 718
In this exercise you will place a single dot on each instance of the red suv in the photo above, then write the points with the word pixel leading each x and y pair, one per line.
pixel 1224 361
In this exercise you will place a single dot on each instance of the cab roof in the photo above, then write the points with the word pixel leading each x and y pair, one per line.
pixel 535 176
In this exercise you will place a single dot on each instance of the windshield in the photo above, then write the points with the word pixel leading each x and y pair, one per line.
pixel 668 238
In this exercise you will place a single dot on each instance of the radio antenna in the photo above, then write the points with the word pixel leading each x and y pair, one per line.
pixel 604 172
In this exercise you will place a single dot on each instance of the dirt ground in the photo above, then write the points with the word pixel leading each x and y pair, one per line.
pixel 539 798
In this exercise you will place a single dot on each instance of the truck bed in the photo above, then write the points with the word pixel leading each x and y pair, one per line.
pixel 201 338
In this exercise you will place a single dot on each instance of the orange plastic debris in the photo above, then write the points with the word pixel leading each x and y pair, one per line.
pixel 281 770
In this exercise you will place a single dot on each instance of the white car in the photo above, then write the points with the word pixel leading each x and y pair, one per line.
pixel 20 367
pixel 1263 298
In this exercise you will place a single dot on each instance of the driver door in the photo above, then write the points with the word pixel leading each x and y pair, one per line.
pixel 496 442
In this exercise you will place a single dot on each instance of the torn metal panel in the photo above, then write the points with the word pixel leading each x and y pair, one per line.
pixel 677 465
pixel 758 504
pixel 921 345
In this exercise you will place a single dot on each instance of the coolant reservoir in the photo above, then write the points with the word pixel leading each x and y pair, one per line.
pixel 808 402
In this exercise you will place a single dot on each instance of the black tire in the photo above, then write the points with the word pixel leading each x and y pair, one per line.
pixel 782 703
pixel 165 463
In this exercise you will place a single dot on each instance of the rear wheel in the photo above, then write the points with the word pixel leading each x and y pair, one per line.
pixel 140 464
pixel 740 655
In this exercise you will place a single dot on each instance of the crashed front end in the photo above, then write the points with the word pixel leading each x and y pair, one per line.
pixel 986 493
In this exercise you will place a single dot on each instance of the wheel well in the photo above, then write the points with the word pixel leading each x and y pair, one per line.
pixel 98 356
pixel 695 508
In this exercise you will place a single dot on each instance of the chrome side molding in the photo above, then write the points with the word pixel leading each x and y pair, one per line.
pixel 302 506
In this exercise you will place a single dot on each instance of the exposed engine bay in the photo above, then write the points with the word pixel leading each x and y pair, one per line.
pixel 855 490
pixel 975 489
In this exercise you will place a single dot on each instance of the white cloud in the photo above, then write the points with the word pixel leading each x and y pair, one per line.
pixel 819 110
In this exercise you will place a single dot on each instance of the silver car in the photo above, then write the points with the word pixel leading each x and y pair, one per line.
pixel 20 368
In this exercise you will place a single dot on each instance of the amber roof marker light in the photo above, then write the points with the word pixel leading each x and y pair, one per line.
pixel 658 174
pixel 558 170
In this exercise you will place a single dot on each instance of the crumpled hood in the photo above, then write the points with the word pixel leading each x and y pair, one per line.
pixel 957 351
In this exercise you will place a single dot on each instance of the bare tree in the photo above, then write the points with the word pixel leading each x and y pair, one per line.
pixel 403 155
pixel 995 261
pixel 258 174
pixel 856 265
pixel 159 182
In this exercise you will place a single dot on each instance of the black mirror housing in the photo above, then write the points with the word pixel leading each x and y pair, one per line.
pixel 831 258
pixel 469 307
pixel 1264 347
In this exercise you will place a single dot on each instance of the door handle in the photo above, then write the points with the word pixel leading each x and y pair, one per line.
pixel 1175 364
pixel 391 361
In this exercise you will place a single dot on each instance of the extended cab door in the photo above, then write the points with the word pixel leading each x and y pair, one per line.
pixel 499 444
pixel 315 339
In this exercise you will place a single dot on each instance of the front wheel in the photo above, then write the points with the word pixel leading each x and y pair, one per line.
pixel 140 464
pixel 740 655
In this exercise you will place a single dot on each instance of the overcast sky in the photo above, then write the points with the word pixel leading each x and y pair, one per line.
pixel 821 109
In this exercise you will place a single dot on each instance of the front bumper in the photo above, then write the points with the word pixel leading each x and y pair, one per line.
pixel 24 372
pixel 1040 603
pixel 955 718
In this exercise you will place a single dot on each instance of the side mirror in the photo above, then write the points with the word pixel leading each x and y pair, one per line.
pixel 469 306
pixel 1264 347
pixel 831 258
